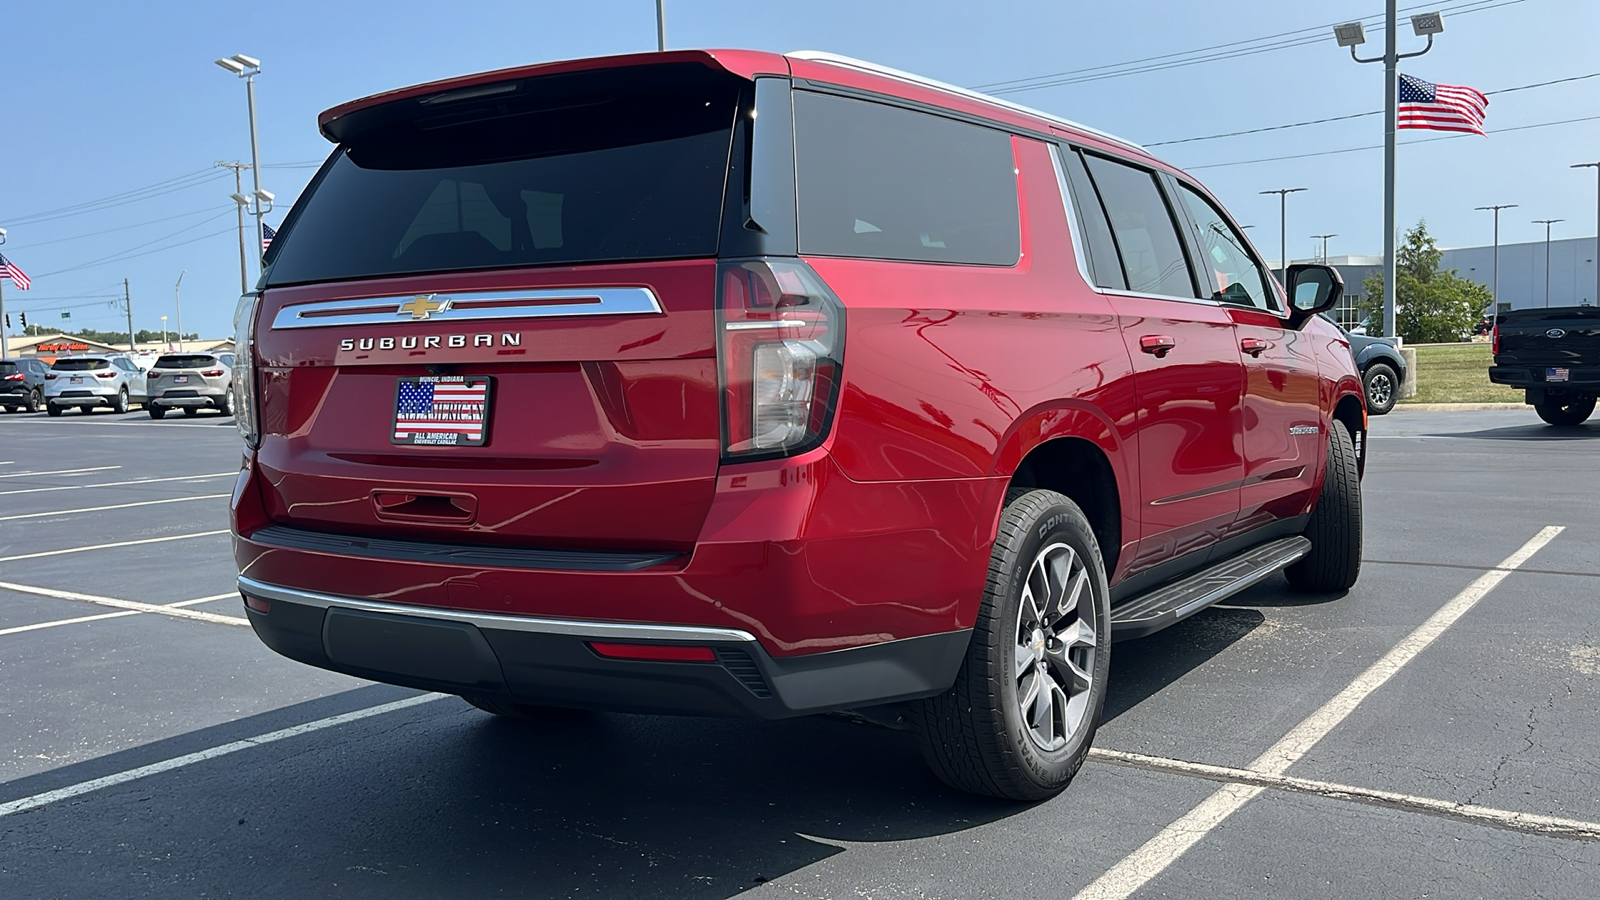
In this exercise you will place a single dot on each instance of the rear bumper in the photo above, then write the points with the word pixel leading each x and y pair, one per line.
pixel 551 661
pixel 1580 379
pixel 203 401
pixel 93 398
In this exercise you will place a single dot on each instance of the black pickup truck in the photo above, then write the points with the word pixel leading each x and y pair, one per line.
pixel 1554 354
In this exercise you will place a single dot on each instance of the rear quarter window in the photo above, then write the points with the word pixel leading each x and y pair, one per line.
pixel 881 182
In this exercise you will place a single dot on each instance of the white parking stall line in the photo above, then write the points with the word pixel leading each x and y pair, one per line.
pixel 106 484
pixel 60 472
pixel 134 605
pixel 1509 820
pixel 189 759
pixel 90 509
pixel 154 540
pixel 1161 851
pixel 116 615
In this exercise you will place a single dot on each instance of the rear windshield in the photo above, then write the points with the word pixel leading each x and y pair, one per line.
pixel 8 368
pixel 185 362
pixel 82 364
pixel 623 164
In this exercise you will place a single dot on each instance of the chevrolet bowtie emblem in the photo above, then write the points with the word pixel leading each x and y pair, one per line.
pixel 422 307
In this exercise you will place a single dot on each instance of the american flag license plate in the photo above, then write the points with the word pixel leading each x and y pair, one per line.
pixel 442 410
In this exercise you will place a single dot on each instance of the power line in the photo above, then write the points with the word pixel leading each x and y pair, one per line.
pixel 1207 54
pixel 1447 137
pixel 167 186
pixel 77 237
pixel 130 254
pixel 1375 112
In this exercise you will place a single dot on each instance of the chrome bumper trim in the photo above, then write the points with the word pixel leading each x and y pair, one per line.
pixel 576 627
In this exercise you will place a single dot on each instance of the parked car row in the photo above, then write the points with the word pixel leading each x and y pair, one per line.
pixel 187 381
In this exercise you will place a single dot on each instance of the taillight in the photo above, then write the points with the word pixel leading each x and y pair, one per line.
pixel 1494 337
pixel 49 376
pixel 780 348
pixel 212 373
pixel 16 377
pixel 110 374
pixel 153 373
pixel 244 381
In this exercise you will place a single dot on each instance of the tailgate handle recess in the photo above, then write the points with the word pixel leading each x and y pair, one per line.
pixel 417 506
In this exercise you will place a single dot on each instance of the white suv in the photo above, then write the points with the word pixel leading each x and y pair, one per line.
pixel 90 381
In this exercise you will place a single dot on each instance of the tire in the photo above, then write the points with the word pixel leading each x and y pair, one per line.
pixel 980 735
pixel 1334 562
pixel 1382 386
pixel 34 401
pixel 226 406
pixel 121 404
pixel 1566 411
pixel 52 410
pixel 155 411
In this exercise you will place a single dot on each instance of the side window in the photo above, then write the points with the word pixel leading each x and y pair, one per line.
pixel 1092 222
pixel 1235 277
pixel 882 182
pixel 1147 241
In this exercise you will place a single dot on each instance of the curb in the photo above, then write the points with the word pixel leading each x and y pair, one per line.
pixel 1462 407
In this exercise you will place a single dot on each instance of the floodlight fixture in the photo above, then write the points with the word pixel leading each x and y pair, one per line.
pixel 240 199
pixel 2 235
pixel 1351 34
pixel 231 66
pixel 250 62
pixel 1427 24
pixel 264 196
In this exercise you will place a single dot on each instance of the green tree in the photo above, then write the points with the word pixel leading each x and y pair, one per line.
pixel 1433 306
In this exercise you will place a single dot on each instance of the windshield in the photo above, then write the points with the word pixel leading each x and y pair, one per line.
pixel 82 364
pixel 621 164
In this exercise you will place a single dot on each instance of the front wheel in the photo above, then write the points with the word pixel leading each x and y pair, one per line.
pixel 1566 410
pixel 1382 386
pixel 1334 562
pixel 1022 714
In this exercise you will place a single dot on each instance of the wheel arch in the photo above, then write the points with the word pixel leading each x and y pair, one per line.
pixel 1350 411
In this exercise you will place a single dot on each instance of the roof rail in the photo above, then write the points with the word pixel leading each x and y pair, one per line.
pixel 849 62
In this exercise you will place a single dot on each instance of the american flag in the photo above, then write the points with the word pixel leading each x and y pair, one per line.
pixel 267 234
pixel 8 269
pixel 441 409
pixel 1441 107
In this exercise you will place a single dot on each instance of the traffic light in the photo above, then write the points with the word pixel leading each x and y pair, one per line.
pixel 24 320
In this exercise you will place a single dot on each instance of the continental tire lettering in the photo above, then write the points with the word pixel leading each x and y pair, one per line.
pixel 1049 525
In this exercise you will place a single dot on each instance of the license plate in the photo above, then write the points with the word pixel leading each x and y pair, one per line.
pixel 442 410
pixel 1557 375
pixel 180 379
pixel 76 379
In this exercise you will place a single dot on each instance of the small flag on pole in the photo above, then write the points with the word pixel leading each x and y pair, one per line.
pixel 1441 107
pixel 8 269
pixel 267 234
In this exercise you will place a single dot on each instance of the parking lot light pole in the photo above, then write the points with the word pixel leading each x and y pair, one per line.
pixel 1547 223
pixel 1494 289
pixel 1283 232
pixel 1596 167
pixel 1324 239
pixel 661 26
pixel 177 304
pixel 248 67
pixel 1353 35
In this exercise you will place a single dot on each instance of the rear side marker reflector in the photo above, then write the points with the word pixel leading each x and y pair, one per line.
pixel 654 652
pixel 258 604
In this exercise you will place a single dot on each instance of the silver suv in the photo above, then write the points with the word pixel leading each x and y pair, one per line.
pixel 190 382
pixel 90 381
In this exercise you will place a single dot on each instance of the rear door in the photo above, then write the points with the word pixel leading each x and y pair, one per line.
pixel 493 316
pixel 1187 372
pixel 1282 440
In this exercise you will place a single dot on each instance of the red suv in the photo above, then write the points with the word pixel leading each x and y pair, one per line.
pixel 734 383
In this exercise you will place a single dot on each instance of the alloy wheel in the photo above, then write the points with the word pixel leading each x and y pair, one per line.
pixel 1055 646
pixel 1381 390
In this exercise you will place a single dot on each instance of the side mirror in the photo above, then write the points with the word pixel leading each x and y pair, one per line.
pixel 1312 289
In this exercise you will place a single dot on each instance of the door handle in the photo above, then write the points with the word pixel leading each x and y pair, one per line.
pixel 1254 346
pixel 1158 344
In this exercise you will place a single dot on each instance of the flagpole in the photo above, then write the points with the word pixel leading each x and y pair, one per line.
pixel 5 345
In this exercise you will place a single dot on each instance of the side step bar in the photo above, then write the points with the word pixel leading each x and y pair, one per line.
pixel 1172 603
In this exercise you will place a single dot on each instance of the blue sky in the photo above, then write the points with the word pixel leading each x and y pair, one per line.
pixel 102 98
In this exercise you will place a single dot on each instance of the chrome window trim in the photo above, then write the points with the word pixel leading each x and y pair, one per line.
pixel 1203 301
pixel 573 627
pixel 541 303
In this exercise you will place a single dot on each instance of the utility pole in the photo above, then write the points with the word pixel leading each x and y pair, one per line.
pixel 1353 35
pixel 177 302
pixel 661 26
pixel 1494 291
pixel 127 302
pixel 1283 232
pixel 1596 167
pixel 238 194
pixel 1547 223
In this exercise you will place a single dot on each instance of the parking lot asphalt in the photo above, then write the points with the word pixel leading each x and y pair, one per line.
pixel 1429 734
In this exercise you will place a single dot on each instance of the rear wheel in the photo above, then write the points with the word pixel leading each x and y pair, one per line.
pixel 52 409
pixel 1565 410
pixel 1022 714
pixel 121 404
pixel 1334 562
pixel 225 406
pixel 155 411
pixel 1382 386
pixel 34 401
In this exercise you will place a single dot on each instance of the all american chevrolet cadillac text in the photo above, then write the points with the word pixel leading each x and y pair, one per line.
pixel 731 383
